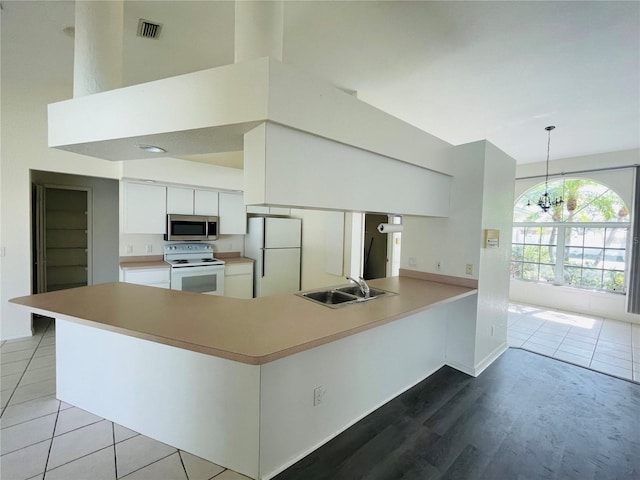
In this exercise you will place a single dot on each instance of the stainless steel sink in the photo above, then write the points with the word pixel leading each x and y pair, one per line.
pixel 339 296
pixel 355 290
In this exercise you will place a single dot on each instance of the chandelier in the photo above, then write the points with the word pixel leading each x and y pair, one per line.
pixel 545 202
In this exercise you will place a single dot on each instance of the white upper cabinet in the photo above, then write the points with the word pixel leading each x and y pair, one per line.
pixel 145 208
pixel 233 214
pixel 205 202
pixel 180 200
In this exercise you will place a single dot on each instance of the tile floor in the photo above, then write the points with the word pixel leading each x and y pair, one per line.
pixel 45 439
pixel 604 345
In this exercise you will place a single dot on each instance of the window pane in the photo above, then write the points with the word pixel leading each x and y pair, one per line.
pixel 547 272
pixel 548 235
pixel 593 257
pixel 616 237
pixel 531 253
pixel 548 254
pixel 591 278
pixel 614 259
pixel 573 256
pixel 614 281
pixel 572 276
pixel 518 235
pixel 530 271
pixel 574 236
pixel 516 269
pixel 594 237
pixel 532 235
pixel 517 252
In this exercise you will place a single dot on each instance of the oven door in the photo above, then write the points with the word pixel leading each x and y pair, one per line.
pixel 208 279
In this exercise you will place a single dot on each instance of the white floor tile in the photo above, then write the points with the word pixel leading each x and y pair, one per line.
pixel 544 341
pixel 572 358
pixel 28 345
pixel 168 468
pixel 138 452
pixel 14 367
pixel 199 468
pixel 99 465
pixel 614 352
pixel 580 352
pixel 74 418
pixel 515 342
pixel 44 351
pixel 121 433
pixel 635 336
pixel 580 341
pixel 231 475
pixel 42 362
pixel 9 382
pixel 26 411
pixel 81 442
pixel 516 334
pixel 611 360
pixel 614 346
pixel 64 406
pixel 611 369
pixel 618 332
pixel 25 463
pixel 548 336
pixel 556 329
pixel 585 332
pixel 39 375
pixel 27 433
pixel 534 347
pixel 46 341
pixel 15 356
pixel 33 391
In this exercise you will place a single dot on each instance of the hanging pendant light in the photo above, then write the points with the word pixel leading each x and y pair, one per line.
pixel 545 202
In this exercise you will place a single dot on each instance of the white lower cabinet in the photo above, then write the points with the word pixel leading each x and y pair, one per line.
pixel 238 280
pixel 152 277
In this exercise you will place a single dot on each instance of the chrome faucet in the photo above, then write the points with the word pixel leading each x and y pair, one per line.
pixel 364 288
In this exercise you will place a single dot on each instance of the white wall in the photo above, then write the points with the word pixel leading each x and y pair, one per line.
pixel 481 197
pixel 493 287
pixel 610 305
pixel 315 250
pixel 24 147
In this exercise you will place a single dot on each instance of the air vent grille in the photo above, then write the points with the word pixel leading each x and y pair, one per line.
pixel 148 29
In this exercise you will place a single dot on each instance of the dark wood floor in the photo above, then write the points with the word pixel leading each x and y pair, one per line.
pixel 526 417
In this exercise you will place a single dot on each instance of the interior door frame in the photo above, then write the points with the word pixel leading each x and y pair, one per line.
pixel 41 236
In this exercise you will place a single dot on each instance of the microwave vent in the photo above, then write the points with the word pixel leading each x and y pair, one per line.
pixel 148 29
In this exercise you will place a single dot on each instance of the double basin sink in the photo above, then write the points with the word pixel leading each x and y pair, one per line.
pixel 340 296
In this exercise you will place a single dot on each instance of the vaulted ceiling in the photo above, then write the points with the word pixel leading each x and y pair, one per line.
pixel 462 71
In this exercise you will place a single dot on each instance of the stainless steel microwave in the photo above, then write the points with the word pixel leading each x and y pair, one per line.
pixel 191 227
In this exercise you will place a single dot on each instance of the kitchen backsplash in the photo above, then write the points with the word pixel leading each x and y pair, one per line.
pixel 138 244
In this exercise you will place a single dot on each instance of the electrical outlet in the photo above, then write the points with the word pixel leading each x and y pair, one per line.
pixel 413 262
pixel 149 248
pixel 469 269
pixel 438 265
pixel 318 395
pixel 129 248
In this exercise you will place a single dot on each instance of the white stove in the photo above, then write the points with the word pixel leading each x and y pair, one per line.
pixel 194 268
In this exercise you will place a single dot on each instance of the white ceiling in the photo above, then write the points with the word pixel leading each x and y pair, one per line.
pixel 462 71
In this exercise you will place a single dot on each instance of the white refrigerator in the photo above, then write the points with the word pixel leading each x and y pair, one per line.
pixel 274 244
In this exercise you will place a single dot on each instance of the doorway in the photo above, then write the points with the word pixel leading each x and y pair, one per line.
pixel 61 237
pixel 375 259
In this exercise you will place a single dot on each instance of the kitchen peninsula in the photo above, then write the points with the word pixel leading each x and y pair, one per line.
pixel 253 385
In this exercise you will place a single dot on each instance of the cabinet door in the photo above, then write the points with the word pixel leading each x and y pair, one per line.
pixel 180 200
pixel 205 202
pixel 159 277
pixel 233 214
pixel 145 208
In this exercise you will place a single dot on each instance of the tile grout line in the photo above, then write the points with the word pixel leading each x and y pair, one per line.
pixel 25 369
pixel 55 424
pixel 115 455
pixel 145 466
pixel 183 465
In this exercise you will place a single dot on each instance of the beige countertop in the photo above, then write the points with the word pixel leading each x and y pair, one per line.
pixel 143 262
pixel 254 331
pixel 234 260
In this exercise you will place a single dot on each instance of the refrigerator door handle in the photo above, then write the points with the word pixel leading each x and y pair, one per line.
pixel 263 262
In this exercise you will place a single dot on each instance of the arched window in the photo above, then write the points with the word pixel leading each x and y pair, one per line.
pixel 581 243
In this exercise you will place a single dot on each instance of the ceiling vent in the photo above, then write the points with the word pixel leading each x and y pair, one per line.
pixel 148 29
